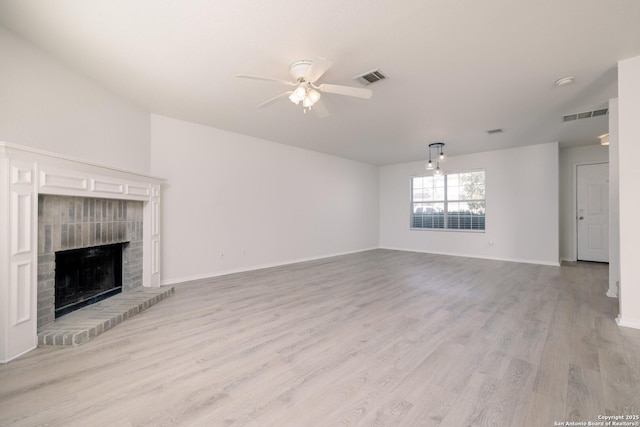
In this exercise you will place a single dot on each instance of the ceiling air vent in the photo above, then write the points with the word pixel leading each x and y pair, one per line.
pixel 585 115
pixel 370 77
pixel 494 131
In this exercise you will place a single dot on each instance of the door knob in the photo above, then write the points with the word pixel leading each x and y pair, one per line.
pixel 580 217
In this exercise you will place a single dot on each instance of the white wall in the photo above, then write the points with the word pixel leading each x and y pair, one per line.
pixel 569 158
pixel 629 153
pixel 45 105
pixel 522 207
pixel 228 192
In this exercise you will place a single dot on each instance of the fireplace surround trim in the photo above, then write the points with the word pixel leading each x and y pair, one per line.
pixel 25 173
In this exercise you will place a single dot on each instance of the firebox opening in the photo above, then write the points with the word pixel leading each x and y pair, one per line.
pixel 86 276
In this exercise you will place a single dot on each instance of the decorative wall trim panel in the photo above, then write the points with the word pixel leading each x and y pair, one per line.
pixel 155 217
pixel 20 293
pixel 50 180
pixel 155 257
pixel 21 175
pixel 98 186
pixel 137 190
pixel 21 213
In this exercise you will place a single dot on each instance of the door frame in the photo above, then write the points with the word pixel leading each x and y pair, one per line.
pixel 575 204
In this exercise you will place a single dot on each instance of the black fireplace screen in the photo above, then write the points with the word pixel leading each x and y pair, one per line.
pixel 85 276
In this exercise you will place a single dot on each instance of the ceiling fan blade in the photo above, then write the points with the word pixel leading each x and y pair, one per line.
pixel 321 109
pixel 269 79
pixel 346 90
pixel 317 69
pixel 274 99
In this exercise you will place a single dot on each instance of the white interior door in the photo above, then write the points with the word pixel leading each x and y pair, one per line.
pixel 592 213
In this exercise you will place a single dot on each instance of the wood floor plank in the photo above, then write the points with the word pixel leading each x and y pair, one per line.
pixel 471 402
pixel 584 394
pixel 507 406
pixel 377 338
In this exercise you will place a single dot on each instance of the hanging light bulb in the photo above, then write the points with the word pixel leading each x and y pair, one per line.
pixel 442 157
pixel 429 166
pixel 437 171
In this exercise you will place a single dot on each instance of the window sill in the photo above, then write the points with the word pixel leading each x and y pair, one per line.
pixel 452 230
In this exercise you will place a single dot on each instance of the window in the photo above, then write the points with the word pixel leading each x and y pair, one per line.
pixel 452 202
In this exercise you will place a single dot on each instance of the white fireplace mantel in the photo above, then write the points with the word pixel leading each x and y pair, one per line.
pixel 25 173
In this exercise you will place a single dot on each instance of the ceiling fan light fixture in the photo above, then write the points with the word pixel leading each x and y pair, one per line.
pixel 306 102
pixel 299 93
pixel 293 98
pixel 305 88
pixel 313 95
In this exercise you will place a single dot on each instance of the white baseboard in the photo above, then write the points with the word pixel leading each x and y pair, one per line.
pixel 635 324
pixel 212 274
pixel 612 292
pixel 18 355
pixel 525 261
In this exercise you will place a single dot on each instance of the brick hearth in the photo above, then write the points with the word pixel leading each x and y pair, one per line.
pixel 88 322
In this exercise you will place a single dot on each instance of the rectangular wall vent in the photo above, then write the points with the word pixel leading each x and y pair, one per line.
pixel 585 115
pixel 370 77
pixel 494 131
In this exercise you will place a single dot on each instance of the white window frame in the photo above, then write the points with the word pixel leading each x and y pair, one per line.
pixel 446 202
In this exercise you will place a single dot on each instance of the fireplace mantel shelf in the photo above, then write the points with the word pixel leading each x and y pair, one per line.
pixel 25 173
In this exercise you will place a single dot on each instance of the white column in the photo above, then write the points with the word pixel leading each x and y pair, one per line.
pixel 629 176
pixel 18 284
pixel 614 202
pixel 151 239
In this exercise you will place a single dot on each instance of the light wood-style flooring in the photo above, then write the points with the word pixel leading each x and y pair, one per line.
pixel 378 338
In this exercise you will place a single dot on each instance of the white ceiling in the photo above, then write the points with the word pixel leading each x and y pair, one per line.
pixel 456 68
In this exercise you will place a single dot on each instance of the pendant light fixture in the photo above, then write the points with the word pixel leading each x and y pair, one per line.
pixel 440 157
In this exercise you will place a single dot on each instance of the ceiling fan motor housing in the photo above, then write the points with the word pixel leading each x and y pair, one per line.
pixel 299 68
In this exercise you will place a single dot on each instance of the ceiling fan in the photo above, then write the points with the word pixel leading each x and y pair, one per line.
pixel 306 73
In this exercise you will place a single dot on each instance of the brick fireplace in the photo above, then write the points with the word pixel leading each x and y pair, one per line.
pixel 67 223
pixel 50 202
